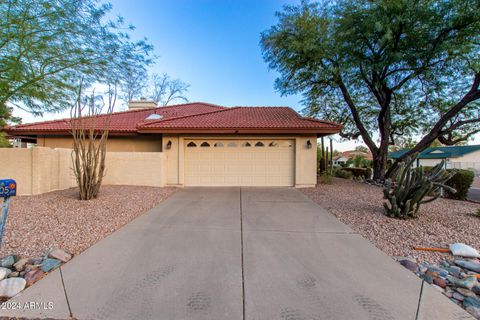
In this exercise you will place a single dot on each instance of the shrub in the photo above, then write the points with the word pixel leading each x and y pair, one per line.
pixel 414 187
pixel 325 178
pixel 362 173
pixel 461 182
pixel 342 173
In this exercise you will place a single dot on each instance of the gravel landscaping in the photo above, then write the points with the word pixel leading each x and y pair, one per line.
pixel 440 223
pixel 59 220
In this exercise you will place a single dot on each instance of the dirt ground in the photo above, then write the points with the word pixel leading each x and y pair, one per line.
pixel 59 219
pixel 440 223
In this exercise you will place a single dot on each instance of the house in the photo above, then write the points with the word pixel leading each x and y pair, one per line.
pixel 343 157
pixel 460 157
pixel 206 144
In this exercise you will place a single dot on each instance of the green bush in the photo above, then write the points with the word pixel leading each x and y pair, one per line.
pixel 460 181
pixel 363 173
pixel 341 173
pixel 325 178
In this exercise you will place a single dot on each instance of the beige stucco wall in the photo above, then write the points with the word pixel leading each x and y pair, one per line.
pixel 40 169
pixel 114 144
pixel 135 168
pixel 305 158
pixel 17 165
pixel 469 157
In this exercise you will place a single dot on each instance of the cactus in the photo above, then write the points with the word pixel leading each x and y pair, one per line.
pixel 412 188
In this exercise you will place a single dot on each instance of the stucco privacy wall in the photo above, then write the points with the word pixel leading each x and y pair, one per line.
pixel 305 158
pixel 39 170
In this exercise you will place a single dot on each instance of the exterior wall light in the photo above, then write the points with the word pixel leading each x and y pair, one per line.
pixel 309 144
pixel 169 145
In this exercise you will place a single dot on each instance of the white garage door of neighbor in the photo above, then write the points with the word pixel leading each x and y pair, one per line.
pixel 239 162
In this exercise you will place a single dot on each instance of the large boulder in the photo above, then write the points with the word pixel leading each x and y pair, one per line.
pixel 4 272
pixel 59 254
pixel 11 287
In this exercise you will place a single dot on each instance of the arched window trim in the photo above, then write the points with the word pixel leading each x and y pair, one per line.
pixel 191 144
pixel 259 144
pixel 205 144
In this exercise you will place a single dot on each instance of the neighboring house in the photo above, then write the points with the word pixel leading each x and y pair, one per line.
pixel 206 144
pixel 343 157
pixel 460 157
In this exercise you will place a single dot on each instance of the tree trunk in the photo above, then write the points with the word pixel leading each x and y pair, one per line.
pixel 379 165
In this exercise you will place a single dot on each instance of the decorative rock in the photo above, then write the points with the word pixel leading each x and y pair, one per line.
pixel 59 254
pixel 427 278
pixel 440 272
pixel 33 276
pixel 4 272
pixel 449 293
pixel 470 265
pixel 442 283
pixel 458 296
pixel 471 302
pixel 467 282
pixel 8 261
pixel 476 289
pixel 30 267
pixel 454 270
pixel 20 264
pixel 14 274
pixel 432 274
pixel 444 264
pixel 50 264
pixel 410 265
pixel 37 260
pixel 465 292
pixel 11 287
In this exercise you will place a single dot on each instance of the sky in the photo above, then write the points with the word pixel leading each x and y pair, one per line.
pixel 213 45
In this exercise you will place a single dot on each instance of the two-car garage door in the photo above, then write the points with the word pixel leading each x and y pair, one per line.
pixel 239 162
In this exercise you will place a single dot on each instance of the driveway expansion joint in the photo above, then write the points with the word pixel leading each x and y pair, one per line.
pixel 242 255
pixel 65 292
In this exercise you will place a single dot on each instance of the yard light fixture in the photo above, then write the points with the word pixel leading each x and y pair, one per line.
pixel 169 145
pixel 309 144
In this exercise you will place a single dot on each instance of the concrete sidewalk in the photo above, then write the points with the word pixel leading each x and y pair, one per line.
pixel 235 253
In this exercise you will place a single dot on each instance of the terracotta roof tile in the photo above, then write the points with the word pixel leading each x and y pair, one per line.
pixel 125 121
pixel 242 118
pixel 189 116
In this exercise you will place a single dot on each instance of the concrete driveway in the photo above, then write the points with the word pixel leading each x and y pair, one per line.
pixel 234 253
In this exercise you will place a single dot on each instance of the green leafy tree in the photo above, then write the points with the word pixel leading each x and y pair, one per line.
pixel 383 68
pixel 46 46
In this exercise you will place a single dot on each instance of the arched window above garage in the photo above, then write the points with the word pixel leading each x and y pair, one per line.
pixel 191 144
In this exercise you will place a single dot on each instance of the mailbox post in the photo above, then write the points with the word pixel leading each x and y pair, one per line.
pixel 8 188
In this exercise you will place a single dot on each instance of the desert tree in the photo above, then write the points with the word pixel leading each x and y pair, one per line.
pixel 164 90
pixel 46 46
pixel 90 122
pixel 387 70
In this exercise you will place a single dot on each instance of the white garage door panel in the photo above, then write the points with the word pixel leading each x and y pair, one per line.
pixel 231 163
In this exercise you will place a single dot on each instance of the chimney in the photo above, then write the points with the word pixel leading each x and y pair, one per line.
pixel 143 103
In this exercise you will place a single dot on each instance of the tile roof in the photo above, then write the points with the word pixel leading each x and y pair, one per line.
pixel 124 121
pixel 191 117
pixel 241 118
pixel 439 152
